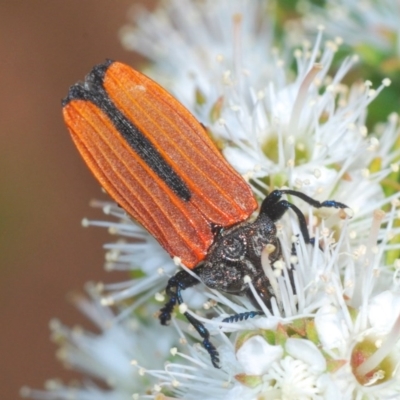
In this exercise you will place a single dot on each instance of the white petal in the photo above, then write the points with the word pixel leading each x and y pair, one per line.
pixel 307 352
pixel 383 310
pixel 328 387
pixel 256 355
pixel 328 323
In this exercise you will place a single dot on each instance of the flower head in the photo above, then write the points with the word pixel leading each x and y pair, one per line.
pixel 106 356
pixel 323 337
pixel 330 344
pixel 378 20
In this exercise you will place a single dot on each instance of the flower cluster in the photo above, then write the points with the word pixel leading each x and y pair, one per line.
pixel 364 24
pixel 282 118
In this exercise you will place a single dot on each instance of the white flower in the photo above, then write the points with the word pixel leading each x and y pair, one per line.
pixel 315 350
pixel 108 356
pixel 362 23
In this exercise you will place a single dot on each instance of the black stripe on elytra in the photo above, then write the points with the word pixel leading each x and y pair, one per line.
pixel 93 90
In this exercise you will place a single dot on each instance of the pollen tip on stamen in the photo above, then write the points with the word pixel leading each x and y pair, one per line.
pixel 107 209
pixel 221 121
pixel 375 249
pixel 246 279
pixel 25 391
pixel 237 18
pixel 279 264
pixel 175 383
pixel 365 173
pixel 112 230
pixel 317 173
pixel 173 351
pixel 107 301
pixel 177 261
pixel 99 287
pixel 54 324
pixel 280 63
pixel 159 297
pixel 269 248
pixel 325 232
pixel 112 255
pixel 85 222
pixel 109 266
pixel 158 388
pixel 206 306
pixel 183 341
pixel 183 308
pixel 52 384
pixel 260 94
pixel 338 40
pixel 61 355
pixel 394 167
pixel 94 203
pixel 277 273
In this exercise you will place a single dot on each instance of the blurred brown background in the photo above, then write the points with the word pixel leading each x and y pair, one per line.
pixel 45 189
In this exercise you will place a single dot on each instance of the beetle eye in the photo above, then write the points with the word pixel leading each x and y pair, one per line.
pixel 234 248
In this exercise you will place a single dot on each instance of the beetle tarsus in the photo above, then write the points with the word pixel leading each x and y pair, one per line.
pixel 212 351
pixel 165 312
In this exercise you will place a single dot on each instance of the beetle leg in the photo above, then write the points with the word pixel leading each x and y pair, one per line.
pixel 181 281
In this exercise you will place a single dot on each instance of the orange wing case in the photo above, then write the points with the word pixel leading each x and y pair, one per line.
pixel 155 159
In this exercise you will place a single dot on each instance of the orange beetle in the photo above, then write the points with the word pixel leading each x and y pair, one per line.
pixel 158 163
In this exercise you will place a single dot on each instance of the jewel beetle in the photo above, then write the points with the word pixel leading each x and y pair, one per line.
pixel 159 164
